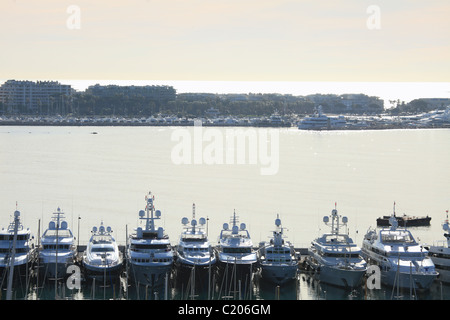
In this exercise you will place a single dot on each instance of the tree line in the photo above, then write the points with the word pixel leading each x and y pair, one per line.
pixel 196 105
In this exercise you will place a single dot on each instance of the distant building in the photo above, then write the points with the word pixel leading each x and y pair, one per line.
pixel 41 97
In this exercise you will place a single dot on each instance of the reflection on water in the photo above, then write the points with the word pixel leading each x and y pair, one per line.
pixel 305 287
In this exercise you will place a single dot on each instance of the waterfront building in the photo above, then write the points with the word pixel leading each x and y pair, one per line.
pixel 40 97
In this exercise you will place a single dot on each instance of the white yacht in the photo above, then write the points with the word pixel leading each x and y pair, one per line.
pixel 102 258
pixel 402 261
pixel 19 254
pixel 237 259
pixel 440 254
pixel 334 257
pixel 194 249
pixel 320 121
pixel 277 258
pixel 149 253
pixel 57 247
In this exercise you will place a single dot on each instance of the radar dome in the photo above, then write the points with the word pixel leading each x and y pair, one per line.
pixel 277 222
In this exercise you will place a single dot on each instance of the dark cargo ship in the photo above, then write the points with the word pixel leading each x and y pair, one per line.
pixel 405 221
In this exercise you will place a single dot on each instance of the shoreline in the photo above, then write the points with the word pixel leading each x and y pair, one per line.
pixel 249 125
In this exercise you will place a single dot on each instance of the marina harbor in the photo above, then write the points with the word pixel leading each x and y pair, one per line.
pixel 439 118
pixel 155 266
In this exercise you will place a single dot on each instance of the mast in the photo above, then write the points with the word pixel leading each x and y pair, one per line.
pixel 150 224
pixel 13 256
pixel 56 253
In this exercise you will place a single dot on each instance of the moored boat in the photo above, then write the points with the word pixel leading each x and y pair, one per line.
pixel 277 258
pixel 195 257
pixel 334 257
pixel 237 258
pixel 440 254
pixel 405 221
pixel 16 249
pixel 320 121
pixel 102 258
pixel 403 262
pixel 149 253
pixel 57 248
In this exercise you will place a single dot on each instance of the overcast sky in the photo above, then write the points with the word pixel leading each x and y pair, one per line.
pixel 226 40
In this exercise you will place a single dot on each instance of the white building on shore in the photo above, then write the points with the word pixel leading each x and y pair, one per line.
pixel 41 97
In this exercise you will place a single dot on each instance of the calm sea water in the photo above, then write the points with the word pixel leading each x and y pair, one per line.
pixel 103 174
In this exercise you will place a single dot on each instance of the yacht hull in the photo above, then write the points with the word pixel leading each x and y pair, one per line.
pixel 441 260
pixel 230 274
pixel 279 274
pixel 408 280
pixel 98 273
pixel 203 274
pixel 150 275
pixel 341 277
pixel 20 271
pixel 337 276
pixel 444 275
pixel 49 271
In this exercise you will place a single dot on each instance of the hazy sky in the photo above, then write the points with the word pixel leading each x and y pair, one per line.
pixel 244 40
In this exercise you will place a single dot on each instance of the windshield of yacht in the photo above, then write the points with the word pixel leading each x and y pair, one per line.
pixel 102 249
pixel 397 236
pixel 237 250
pixel 65 233
pixel 337 238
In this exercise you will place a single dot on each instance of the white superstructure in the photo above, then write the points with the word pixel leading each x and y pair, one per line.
pixel 149 253
pixel 335 258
